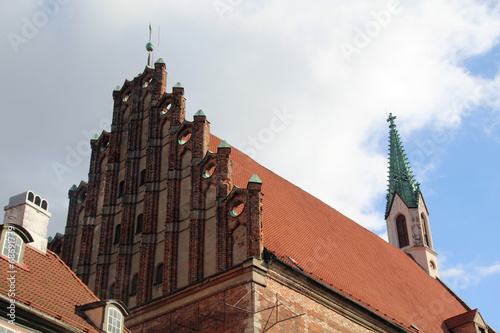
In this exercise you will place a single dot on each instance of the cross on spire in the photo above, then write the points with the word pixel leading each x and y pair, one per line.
pixel 391 120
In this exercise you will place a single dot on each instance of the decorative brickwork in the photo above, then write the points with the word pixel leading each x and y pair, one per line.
pixel 184 187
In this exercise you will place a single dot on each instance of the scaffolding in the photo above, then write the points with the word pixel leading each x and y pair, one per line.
pixel 275 316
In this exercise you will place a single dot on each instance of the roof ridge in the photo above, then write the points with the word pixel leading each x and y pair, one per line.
pixel 461 301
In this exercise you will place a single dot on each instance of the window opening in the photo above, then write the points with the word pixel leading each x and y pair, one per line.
pixel 402 231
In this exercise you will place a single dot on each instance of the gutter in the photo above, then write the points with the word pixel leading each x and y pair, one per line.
pixel 270 257
pixel 42 315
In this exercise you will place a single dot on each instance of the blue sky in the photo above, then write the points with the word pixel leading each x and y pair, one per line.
pixel 335 69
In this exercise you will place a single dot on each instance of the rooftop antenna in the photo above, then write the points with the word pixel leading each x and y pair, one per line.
pixel 150 48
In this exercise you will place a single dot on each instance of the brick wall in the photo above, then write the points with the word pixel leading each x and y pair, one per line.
pixel 186 197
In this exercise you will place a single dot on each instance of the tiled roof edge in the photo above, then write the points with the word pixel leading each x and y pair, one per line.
pixel 48 314
pixel 73 274
pixel 465 305
pixel 338 293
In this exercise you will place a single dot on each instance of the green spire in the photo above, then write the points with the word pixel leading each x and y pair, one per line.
pixel 401 178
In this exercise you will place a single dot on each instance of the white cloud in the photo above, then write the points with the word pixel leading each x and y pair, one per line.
pixel 462 276
pixel 276 54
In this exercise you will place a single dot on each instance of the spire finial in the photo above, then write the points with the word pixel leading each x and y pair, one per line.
pixel 150 47
pixel 391 120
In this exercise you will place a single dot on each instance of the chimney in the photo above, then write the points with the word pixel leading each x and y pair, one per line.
pixel 31 212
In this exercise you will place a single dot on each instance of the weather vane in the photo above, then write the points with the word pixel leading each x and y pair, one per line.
pixel 150 47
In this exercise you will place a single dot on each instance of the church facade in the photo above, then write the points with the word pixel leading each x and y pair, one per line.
pixel 193 235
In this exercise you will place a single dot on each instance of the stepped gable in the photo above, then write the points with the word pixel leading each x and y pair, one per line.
pixel 344 255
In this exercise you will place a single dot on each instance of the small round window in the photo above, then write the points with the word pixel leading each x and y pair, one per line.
pixel 82 197
pixel 105 146
pixel 185 138
pixel 147 83
pixel 127 96
pixel 237 209
pixel 209 171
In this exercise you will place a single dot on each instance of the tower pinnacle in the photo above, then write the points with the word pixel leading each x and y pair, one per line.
pixel 401 178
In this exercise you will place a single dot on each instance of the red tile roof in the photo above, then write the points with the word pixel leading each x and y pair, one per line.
pixel 461 319
pixel 342 254
pixel 45 283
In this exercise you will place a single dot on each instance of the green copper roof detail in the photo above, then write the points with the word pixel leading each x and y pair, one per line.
pixel 199 113
pixel 178 85
pixel 160 61
pixel 118 88
pixel 150 47
pixel 255 179
pixel 95 137
pixel 73 188
pixel 224 144
pixel 401 178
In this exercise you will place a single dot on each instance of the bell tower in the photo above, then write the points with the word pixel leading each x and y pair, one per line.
pixel 406 214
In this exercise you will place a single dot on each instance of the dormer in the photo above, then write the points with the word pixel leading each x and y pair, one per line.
pixel 14 239
pixel 108 315
pixel 468 322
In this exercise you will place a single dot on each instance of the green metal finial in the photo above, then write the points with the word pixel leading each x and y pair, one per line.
pixel 255 179
pixel 401 178
pixel 199 113
pixel 150 48
pixel 224 144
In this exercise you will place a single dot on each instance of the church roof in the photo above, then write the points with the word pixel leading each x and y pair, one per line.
pixel 401 178
pixel 343 255
pixel 44 283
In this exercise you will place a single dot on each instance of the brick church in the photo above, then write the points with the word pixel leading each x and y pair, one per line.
pixel 192 235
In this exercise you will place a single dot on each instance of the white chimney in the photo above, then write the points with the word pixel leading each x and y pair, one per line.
pixel 31 212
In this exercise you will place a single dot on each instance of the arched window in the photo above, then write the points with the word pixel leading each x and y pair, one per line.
pixel 159 274
pixel 37 200
pixel 31 196
pixel 424 230
pixel 142 178
pixel 117 234
pixel 138 227
pixel 12 247
pixel 402 231
pixel 121 186
pixel 45 205
pixel 114 321
pixel 133 286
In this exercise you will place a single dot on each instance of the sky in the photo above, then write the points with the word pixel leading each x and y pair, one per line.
pixel 304 88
